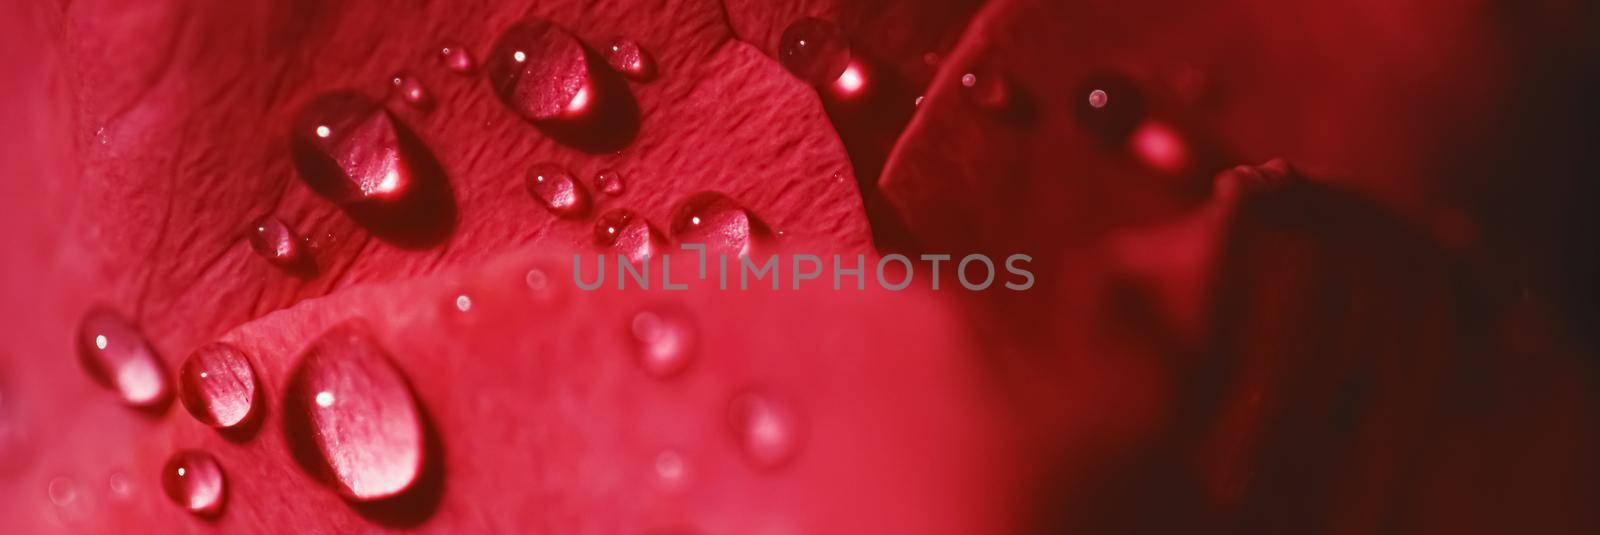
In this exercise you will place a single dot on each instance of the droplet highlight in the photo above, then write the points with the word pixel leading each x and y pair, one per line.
pixel 410 90
pixel 117 355
pixel 627 57
pixel 279 244
pixel 663 340
pixel 713 219
pixel 457 59
pixel 814 50
pixel 353 410
pixel 347 148
pixel 609 182
pixel 767 429
pixel 557 191
pixel 988 89
pixel 625 232
pixel 217 385
pixel 194 481
pixel 541 72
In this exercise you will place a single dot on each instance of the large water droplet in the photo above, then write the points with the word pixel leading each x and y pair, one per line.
pixel 194 481
pixel 217 385
pixel 279 244
pixel 540 71
pixel 610 182
pixel 713 219
pixel 348 148
pixel 767 429
pixel 663 340
pixel 117 355
pixel 627 57
pixel 61 491
pixel 814 50
pixel 346 401
pixel 457 58
pixel 411 91
pixel 555 188
pixel 626 233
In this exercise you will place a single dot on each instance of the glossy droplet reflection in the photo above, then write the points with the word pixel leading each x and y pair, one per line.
pixel 609 182
pixel 117 355
pixel 347 403
pixel 624 232
pixel 814 50
pixel 410 90
pixel 347 148
pixel 540 71
pixel 1112 109
pixel 457 58
pixel 663 340
pixel 1098 98
pixel 767 429
pixel 195 482
pixel 713 219
pixel 555 188
pixel 988 89
pixel 217 385
pixel 277 243
pixel 627 57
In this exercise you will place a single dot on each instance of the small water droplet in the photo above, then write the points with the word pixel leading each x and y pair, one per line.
pixel 555 188
pixel 627 57
pixel 120 485
pixel 814 50
pixel 411 91
pixel 713 219
pixel 988 89
pixel 670 467
pixel 464 303
pixel 347 148
pixel 838 177
pixel 276 242
pixel 663 340
pixel 1098 98
pixel 347 403
pixel 217 385
pixel 918 101
pixel 1113 121
pixel 117 355
pixel 609 182
pixel 457 58
pixel 626 233
pixel 767 429
pixel 62 491
pixel 537 280
pixel 540 71
pixel 194 481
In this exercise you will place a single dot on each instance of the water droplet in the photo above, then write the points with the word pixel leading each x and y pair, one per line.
pixel 347 403
pixel 537 280
pixel 411 91
pixel 814 50
pixel 664 340
pixel 918 101
pixel 464 303
pixel 540 71
pixel 626 233
pixel 838 177
pixel 670 467
pixel 347 148
pixel 627 57
pixel 62 491
pixel 1098 98
pixel 120 485
pixel 217 385
pixel 1111 120
pixel 609 182
pixel 117 355
pixel 767 429
pixel 195 482
pixel 988 89
pixel 457 58
pixel 715 220
pixel 276 242
pixel 555 188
